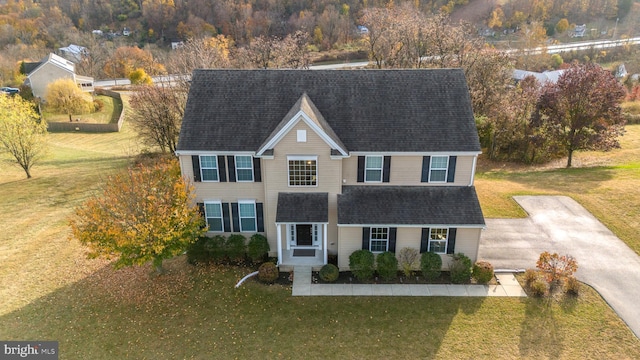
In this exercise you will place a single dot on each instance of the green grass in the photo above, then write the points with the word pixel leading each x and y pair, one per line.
pixel 109 113
pixel 49 290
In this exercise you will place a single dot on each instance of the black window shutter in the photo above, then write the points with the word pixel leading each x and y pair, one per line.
pixel 222 169
pixel 232 168
pixel 386 168
pixel 392 239
pixel 257 172
pixel 226 219
pixel 201 209
pixel 365 238
pixel 424 240
pixel 360 168
pixel 451 173
pixel 260 217
pixel 425 169
pixel 235 217
pixel 451 243
pixel 195 161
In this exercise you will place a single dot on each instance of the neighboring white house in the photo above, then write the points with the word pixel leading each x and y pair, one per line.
pixel 579 31
pixel 543 77
pixel 52 68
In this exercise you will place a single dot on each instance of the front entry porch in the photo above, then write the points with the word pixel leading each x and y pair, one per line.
pixel 301 228
pixel 302 244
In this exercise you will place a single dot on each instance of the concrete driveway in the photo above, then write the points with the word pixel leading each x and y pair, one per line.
pixel 559 224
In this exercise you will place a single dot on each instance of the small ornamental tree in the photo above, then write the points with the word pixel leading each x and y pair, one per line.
pixel 22 134
pixel 65 96
pixel 139 77
pixel 409 260
pixel 144 214
pixel 556 268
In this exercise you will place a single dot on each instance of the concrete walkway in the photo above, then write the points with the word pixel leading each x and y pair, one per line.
pixel 559 224
pixel 302 286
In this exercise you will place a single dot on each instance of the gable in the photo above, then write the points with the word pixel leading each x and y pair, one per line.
pixel 369 110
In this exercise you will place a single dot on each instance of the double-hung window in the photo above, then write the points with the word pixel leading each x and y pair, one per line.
pixel 303 171
pixel 213 214
pixel 379 239
pixel 438 168
pixel 209 168
pixel 244 168
pixel 373 169
pixel 438 240
pixel 247 215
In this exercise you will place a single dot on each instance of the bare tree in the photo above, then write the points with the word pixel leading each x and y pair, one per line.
pixel 156 114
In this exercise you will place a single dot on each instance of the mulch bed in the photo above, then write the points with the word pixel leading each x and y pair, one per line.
pixel 346 277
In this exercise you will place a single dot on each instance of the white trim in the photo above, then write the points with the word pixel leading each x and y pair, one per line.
pixel 279 245
pixel 301 135
pixel 255 215
pixel 473 170
pixel 235 159
pixel 446 240
pixel 211 152
pixel 416 153
pixel 381 168
pixel 324 244
pixel 467 226
pixel 301 223
pixel 387 239
pixel 300 115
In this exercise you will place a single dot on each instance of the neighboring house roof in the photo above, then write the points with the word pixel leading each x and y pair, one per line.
pixel 543 77
pixel 303 208
pixel 367 110
pixel 57 61
pixel 409 205
pixel 30 66
pixel 74 49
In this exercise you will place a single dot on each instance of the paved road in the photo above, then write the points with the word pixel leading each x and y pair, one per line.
pixel 559 224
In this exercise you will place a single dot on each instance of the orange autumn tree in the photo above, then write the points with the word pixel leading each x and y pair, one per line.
pixel 146 213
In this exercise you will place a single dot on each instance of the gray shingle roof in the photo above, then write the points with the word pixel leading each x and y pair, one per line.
pixel 303 207
pixel 409 205
pixel 369 110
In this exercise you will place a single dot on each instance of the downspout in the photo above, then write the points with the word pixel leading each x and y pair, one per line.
pixel 473 170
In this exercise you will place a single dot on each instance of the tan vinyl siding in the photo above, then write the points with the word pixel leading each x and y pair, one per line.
pixel 350 241
pixel 276 179
pixel 407 170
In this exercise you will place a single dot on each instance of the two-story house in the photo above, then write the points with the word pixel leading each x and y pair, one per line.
pixel 329 162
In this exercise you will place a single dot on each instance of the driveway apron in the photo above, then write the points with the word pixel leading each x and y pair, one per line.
pixel 559 224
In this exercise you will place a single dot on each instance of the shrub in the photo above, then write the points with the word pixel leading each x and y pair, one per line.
pixel 98 105
pixel 196 252
pixel 530 275
pixel 460 269
pixel 408 259
pixel 235 247
pixel 431 265
pixel 482 272
pixel 268 273
pixel 215 246
pixel 361 264
pixel 538 288
pixel 387 265
pixel 258 248
pixel 556 268
pixel 329 273
pixel 572 286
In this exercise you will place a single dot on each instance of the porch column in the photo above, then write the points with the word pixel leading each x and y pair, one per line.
pixel 279 243
pixel 324 242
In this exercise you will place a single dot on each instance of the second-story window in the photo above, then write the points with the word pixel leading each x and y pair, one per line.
pixel 373 169
pixel 303 171
pixel 209 168
pixel 244 168
pixel 438 169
